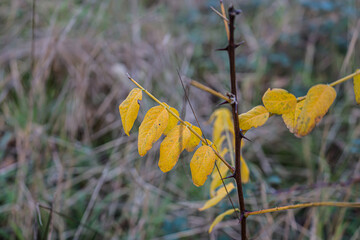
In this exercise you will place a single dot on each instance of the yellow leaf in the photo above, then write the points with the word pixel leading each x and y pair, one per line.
pixel 129 109
pixel 202 164
pixel 194 140
pixel 220 194
pixel 256 117
pixel 245 173
pixel 318 101
pixel 222 118
pixel 221 217
pixel 171 147
pixel 279 101
pixel 290 119
pixel 357 86
pixel 172 121
pixel 151 128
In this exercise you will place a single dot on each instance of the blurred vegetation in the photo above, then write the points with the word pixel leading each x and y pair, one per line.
pixel 61 142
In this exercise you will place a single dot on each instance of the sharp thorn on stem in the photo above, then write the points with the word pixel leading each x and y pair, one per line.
pixel 223 103
pixel 243 136
pixel 239 44
pixel 230 176
pixel 223 49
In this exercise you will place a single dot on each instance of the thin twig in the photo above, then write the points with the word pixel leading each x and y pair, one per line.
pixel 304 205
pixel 225 22
pixel 209 90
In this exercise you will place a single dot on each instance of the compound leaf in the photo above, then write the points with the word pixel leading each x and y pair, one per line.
pixel 129 109
pixel 318 101
pixel 202 164
pixel 220 217
pixel 151 128
pixel 356 81
pixel 279 101
pixel 171 147
pixel 219 195
pixel 256 117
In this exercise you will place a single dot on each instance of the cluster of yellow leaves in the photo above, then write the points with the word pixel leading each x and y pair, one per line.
pixel 161 120
pixel 299 115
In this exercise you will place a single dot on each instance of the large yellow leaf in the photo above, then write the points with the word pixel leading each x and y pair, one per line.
pixel 357 86
pixel 172 121
pixel 279 101
pixel 256 117
pixel 129 109
pixel 220 194
pixel 151 128
pixel 290 119
pixel 202 164
pixel 220 217
pixel 194 140
pixel 318 101
pixel 222 118
pixel 171 147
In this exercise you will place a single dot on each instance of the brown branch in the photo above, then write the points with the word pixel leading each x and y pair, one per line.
pixel 237 175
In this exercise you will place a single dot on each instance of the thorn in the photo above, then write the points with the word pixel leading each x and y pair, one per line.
pixel 222 103
pixel 233 11
pixel 239 44
pixel 243 136
pixel 223 49
pixel 230 176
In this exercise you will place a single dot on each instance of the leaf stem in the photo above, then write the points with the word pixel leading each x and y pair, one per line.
pixel 209 90
pixel 304 205
pixel 183 122
pixel 344 78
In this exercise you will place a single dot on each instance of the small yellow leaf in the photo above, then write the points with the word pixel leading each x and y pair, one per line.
pixel 202 164
pixel 171 147
pixel 151 128
pixel 290 119
pixel 222 118
pixel 245 173
pixel 318 101
pixel 172 121
pixel 220 194
pixel 256 117
pixel 220 217
pixel 194 140
pixel 357 86
pixel 279 101
pixel 129 109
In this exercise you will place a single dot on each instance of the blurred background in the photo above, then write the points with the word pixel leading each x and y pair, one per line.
pixel 68 171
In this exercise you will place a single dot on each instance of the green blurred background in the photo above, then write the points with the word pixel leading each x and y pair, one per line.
pixel 62 146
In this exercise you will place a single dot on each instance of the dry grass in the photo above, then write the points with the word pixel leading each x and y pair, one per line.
pixel 62 146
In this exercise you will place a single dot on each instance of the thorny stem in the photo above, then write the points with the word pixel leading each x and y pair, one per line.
pixel 237 175
pixel 304 205
pixel 183 122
